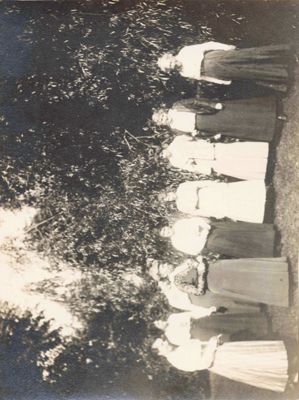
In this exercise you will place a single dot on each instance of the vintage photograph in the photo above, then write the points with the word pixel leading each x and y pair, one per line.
pixel 149 189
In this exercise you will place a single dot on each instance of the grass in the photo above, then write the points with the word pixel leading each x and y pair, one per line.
pixel 286 184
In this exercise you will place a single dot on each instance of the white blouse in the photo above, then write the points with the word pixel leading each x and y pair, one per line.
pixel 192 155
pixel 190 235
pixel 188 198
pixel 178 328
pixel 191 58
pixel 188 357
pixel 181 301
pixel 182 120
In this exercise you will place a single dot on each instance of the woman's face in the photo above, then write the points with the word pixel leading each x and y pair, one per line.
pixel 170 196
pixel 160 325
pixel 162 346
pixel 165 270
pixel 166 232
pixel 161 117
pixel 154 270
pixel 167 62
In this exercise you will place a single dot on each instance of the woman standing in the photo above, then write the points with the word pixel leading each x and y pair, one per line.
pixel 233 239
pixel 247 119
pixel 179 328
pixel 242 201
pixel 242 160
pixel 263 363
pixel 205 304
pixel 253 279
pixel 221 63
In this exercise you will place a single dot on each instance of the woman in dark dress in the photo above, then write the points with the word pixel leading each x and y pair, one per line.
pixel 221 63
pixel 181 327
pixel 248 119
pixel 233 239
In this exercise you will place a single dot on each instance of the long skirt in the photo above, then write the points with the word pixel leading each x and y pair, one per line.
pixel 240 201
pixel 267 65
pixel 259 280
pixel 227 324
pixel 241 239
pixel 232 305
pixel 263 364
pixel 243 160
pixel 251 119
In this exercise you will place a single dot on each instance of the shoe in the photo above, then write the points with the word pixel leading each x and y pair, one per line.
pixel 282 117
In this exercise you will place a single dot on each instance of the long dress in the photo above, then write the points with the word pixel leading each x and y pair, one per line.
pixel 233 239
pixel 241 239
pixel 246 119
pixel 209 299
pixel 253 280
pixel 182 327
pixel 267 65
pixel 232 305
pixel 263 364
pixel 242 160
pixel 206 327
pixel 242 201
pixel 261 280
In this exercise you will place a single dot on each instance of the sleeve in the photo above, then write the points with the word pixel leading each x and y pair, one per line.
pixel 199 166
pixel 199 312
pixel 205 183
pixel 188 357
pixel 202 223
pixel 208 352
pixel 217 46
pixel 199 106
pixel 215 80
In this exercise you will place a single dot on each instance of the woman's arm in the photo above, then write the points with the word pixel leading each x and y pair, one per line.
pixel 208 46
pixel 208 353
pixel 198 106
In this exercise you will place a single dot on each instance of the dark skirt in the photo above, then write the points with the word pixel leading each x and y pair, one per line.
pixel 260 280
pixel 248 119
pixel 267 65
pixel 233 306
pixel 228 324
pixel 241 239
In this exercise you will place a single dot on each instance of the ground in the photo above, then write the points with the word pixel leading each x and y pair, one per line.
pixel 286 184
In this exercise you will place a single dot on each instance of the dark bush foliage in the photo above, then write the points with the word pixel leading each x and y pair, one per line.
pixel 78 84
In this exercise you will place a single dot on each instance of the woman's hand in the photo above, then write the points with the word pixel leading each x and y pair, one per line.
pixel 218 106
pixel 219 339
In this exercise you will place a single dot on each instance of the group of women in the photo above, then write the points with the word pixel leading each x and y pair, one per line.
pixel 221 301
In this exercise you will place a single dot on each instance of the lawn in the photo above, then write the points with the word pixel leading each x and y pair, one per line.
pixel 286 184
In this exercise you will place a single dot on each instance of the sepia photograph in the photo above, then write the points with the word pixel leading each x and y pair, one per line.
pixel 149 200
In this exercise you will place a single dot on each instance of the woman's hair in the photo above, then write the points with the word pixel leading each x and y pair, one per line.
pixel 158 115
pixel 164 61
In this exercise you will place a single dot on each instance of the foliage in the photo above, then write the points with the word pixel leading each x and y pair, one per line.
pixel 78 85
pixel 24 340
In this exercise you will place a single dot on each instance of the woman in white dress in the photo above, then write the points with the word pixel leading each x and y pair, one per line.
pixel 242 201
pixel 262 363
pixel 179 328
pixel 242 160
pixel 233 239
